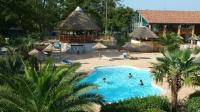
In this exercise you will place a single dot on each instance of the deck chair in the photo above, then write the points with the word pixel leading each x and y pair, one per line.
pixel 103 57
pixel 66 61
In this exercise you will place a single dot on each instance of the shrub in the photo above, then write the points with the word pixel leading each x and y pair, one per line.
pixel 196 50
pixel 154 110
pixel 195 94
pixel 121 39
pixel 2 41
pixel 147 104
pixel 193 103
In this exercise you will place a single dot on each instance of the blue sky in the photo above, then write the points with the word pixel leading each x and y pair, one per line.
pixel 163 4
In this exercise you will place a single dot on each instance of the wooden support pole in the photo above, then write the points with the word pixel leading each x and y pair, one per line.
pixel 141 20
pixel 164 30
pixel 193 31
pixel 179 30
pixel 149 26
pixel 59 35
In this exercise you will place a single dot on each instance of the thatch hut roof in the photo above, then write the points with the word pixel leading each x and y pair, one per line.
pixel 33 52
pixel 143 33
pixel 78 21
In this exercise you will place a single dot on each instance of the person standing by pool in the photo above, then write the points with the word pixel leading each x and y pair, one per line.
pixel 141 83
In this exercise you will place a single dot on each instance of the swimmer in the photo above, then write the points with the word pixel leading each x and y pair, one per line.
pixel 141 83
pixel 130 76
pixel 104 79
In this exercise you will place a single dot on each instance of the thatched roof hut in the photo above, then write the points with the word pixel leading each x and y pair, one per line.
pixel 78 21
pixel 143 33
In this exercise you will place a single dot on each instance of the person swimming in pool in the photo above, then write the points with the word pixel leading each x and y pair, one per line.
pixel 104 80
pixel 141 83
pixel 130 75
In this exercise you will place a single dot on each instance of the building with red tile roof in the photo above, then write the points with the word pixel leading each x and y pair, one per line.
pixel 184 23
pixel 171 17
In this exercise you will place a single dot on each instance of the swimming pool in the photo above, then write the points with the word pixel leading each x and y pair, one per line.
pixel 117 84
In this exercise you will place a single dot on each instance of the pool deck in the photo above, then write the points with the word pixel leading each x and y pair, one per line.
pixel 91 60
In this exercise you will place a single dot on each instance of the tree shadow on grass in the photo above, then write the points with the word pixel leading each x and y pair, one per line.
pixel 195 94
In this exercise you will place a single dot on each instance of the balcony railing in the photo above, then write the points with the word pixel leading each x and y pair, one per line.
pixel 77 39
pixel 186 31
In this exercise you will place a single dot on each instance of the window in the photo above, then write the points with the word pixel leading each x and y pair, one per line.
pixel 172 26
pixel 186 26
pixel 157 27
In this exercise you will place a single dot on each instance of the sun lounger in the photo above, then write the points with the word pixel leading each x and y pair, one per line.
pixel 106 58
pixel 121 57
pixel 65 61
pixel 132 58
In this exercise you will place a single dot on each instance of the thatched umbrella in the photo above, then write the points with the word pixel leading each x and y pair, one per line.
pixel 98 47
pixel 40 57
pixel 50 48
pixel 127 46
pixel 192 39
pixel 40 46
pixel 142 33
pixel 79 21
pixel 33 52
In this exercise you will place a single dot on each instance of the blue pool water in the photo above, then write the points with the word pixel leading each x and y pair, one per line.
pixel 118 86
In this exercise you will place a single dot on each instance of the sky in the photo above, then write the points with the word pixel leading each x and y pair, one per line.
pixel 163 4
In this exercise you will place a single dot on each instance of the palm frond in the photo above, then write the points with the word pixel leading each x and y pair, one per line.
pixel 44 90
pixel 83 88
pixel 189 81
pixel 87 107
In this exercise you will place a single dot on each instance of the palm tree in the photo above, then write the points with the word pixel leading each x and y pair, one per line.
pixel 170 41
pixel 179 68
pixel 11 65
pixel 27 44
pixel 52 89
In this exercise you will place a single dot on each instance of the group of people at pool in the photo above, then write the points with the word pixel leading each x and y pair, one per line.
pixel 129 76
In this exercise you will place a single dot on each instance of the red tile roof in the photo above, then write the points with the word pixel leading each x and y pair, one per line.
pixel 164 16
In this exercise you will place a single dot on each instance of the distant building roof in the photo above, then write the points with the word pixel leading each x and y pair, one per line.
pixel 171 17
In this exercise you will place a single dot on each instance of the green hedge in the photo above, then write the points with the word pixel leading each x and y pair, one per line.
pixel 193 103
pixel 154 110
pixel 147 104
